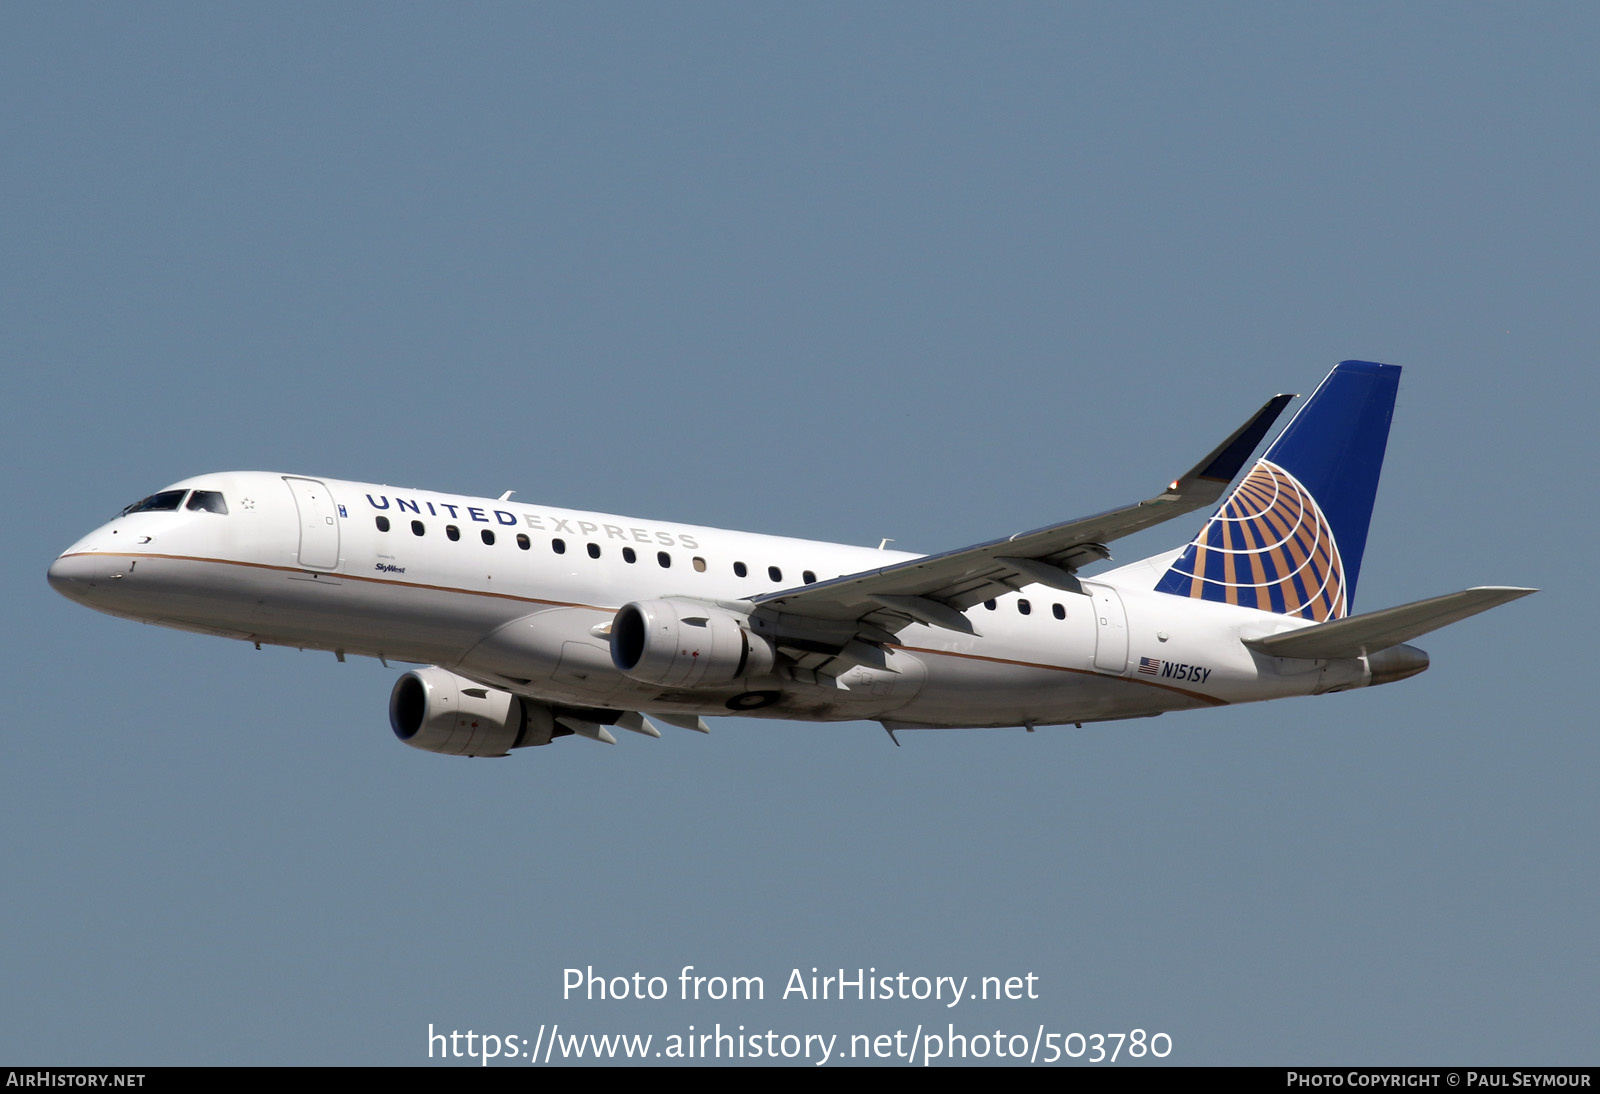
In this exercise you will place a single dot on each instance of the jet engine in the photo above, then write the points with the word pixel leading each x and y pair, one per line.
pixel 438 711
pixel 684 644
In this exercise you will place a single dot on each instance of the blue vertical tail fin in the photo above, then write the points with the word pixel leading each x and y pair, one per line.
pixel 1289 539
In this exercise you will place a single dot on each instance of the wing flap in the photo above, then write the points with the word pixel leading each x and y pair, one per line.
pixel 1359 635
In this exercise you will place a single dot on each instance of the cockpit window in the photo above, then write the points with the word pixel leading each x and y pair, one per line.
pixel 166 500
pixel 209 501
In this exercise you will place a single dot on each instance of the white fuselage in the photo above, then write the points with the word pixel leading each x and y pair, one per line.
pixel 522 598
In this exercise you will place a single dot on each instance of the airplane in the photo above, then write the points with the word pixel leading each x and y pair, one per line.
pixel 534 623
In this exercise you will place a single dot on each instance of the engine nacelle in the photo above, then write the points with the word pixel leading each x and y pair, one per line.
pixel 682 644
pixel 438 711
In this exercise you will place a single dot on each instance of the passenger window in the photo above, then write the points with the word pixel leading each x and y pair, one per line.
pixel 808 577
pixel 383 524
pixel 452 533
pixel 488 537
pixel 629 555
pixel 207 501
pixel 523 541
pixel 559 546
pixel 664 558
pixel 774 573
pixel 1058 611
pixel 594 550
pixel 989 604
pixel 740 569
pixel 1024 607
pixel 416 528
pixel 699 565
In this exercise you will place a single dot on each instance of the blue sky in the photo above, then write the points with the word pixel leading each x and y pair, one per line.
pixel 931 272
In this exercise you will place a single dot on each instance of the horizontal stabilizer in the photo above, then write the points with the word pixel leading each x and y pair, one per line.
pixel 1357 635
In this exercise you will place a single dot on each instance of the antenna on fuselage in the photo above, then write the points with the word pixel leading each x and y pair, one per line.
pixel 881 545
pixel 506 496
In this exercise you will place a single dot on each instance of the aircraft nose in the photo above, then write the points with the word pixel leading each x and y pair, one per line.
pixel 71 575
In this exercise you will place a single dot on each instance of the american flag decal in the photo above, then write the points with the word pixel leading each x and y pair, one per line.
pixel 1149 666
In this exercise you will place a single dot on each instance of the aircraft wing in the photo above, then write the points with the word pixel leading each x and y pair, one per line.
pixel 936 589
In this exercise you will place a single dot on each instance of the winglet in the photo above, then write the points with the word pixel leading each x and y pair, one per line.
pixel 1225 461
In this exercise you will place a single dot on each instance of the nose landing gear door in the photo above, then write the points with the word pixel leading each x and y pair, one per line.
pixel 319 523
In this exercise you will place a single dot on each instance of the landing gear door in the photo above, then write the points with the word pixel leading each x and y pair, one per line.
pixel 1110 630
pixel 319 523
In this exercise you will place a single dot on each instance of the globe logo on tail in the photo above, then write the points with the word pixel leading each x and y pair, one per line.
pixel 1268 547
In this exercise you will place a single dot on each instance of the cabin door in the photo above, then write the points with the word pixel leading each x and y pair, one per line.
pixel 1110 630
pixel 319 523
